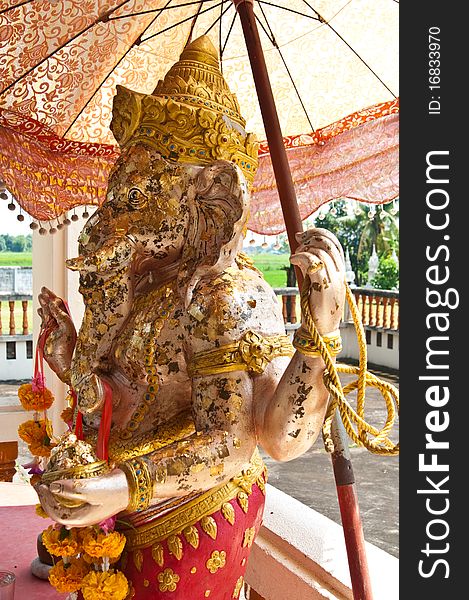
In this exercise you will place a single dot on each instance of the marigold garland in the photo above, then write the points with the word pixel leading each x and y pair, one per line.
pixel 61 542
pixel 67 415
pixel 108 585
pixel 39 400
pixel 99 545
pixel 68 578
pixel 41 512
pixel 37 434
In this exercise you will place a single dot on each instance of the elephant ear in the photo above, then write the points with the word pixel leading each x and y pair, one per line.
pixel 218 211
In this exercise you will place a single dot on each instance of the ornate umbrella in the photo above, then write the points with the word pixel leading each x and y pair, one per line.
pixel 332 64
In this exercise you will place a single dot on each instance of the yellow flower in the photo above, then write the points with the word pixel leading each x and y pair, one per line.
pixel 68 578
pixel 168 580
pixel 31 400
pixel 37 435
pixel 60 542
pixel 216 561
pixel 109 585
pixel 99 544
pixel 41 512
pixel 67 415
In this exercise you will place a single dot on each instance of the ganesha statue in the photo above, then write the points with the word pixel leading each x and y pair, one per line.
pixel 182 348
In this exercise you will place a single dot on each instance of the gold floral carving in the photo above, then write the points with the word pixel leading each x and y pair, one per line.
pixel 192 536
pixel 216 561
pixel 157 554
pixel 249 536
pixel 191 116
pixel 261 484
pixel 228 512
pixel 138 560
pixel 252 353
pixel 243 501
pixel 238 586
pixel 209 525
pixel 168 580
pixel 175 546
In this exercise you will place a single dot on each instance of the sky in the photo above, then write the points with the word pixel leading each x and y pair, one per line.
pixel 9 223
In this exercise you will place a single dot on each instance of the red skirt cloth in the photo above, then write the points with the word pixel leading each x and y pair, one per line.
pixel 198 549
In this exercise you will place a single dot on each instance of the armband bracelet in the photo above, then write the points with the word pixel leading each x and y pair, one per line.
pixel 305 344
pixel 140 483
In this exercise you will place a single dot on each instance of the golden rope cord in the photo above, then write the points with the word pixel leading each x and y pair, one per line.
pixel 361 432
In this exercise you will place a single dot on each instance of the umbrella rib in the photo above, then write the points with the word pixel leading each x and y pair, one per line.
pixel 152 10
pixel 323 20
pixel 361 59
pixel 183 21
pixel 194 21
pixel 273 41
pixel 229 31
pixel 135 43
pixel 101 19
pixel 5 10
pixel 219 39
pixel 219 18
pixel 296 12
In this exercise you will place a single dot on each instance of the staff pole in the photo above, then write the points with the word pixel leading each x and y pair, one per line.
pixel 342 465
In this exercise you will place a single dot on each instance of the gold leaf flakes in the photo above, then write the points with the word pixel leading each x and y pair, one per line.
pixel 175 546
pixel 216 470
pixel 228 512
pixel 157 554
pixel 209 525
pixel 192 536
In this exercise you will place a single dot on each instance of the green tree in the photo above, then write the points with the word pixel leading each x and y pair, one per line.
pixel 18 243
pixel 357 233
pixel 387 275
pixel 3 245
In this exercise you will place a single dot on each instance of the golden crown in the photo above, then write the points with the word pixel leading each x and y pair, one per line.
pixel 191 116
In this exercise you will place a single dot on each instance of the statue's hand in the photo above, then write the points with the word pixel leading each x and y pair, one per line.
pixel 321 258
pixel 61 341
pixel 83 502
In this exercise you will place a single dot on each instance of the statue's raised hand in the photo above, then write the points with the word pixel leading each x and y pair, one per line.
pixel 62 336
pixel 321 258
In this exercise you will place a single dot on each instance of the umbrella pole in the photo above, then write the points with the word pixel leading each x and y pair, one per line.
pixel 342 465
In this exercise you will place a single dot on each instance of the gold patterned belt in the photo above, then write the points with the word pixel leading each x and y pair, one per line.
pixel 251 353
pixel 149 529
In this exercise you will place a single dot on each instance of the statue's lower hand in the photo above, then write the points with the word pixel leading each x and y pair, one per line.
pixel 61 340
pixel 83 502
pixel 320 257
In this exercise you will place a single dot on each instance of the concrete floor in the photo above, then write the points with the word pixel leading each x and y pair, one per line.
pixel 310 478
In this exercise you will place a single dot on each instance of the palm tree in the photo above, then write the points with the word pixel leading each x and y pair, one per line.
pixel 379 228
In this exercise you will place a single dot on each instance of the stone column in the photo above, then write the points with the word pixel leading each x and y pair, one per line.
pixel 49 255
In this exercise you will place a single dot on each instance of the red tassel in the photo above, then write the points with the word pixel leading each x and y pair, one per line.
pixel 104 432
pixel 79 426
